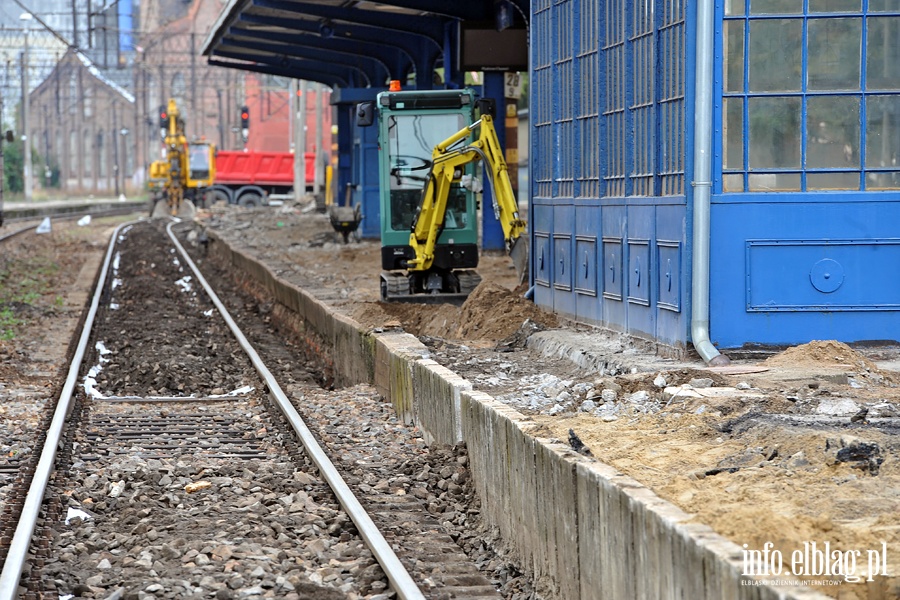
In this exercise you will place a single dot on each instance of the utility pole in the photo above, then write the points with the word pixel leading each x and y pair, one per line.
pixel 2 175
pixel 221 123
pixel 26 129
pixel 2 164
pixel 115 141
pixel 75 25
pixel 195 124
pixel 320 151
pixel 300 144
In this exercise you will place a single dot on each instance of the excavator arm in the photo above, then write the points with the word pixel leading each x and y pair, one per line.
pixel 448 159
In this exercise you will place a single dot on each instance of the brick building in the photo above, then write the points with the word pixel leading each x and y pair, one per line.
pixel 76 109
pixel 80 123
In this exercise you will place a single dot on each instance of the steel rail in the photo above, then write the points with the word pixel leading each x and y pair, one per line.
pixel 397 574
pixel 18 549
pixel 13 234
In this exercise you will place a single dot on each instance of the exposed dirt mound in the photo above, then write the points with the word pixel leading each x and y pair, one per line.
pixel 832 354
pixel 493 312
pixel 490 314
pixel 821 353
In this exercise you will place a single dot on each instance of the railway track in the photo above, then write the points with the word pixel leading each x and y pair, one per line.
pixel 175 463
pixel 68 212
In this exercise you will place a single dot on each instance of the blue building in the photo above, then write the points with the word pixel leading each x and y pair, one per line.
pixel 715 173
pixel 758 137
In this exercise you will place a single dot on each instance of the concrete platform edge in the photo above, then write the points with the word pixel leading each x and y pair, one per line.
pixel 584 530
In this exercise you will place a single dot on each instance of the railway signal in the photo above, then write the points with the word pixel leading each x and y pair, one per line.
pixel 245 123
pixel 163 121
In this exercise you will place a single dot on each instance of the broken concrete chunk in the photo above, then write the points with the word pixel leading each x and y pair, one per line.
pixel 639 397
pixel 859 454
pixel 837 407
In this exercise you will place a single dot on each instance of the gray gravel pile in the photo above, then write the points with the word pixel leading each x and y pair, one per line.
pixel 380 453
pixel 167 338
pixel 198 528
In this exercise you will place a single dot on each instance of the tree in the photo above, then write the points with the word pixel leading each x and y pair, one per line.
pixel 13 168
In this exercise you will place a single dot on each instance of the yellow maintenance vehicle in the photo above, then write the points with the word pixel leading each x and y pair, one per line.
pixel 188 170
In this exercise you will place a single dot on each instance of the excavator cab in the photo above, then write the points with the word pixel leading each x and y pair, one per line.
pixel 201 164
pixel 201 159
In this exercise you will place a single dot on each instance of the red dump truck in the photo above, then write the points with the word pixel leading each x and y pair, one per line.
pixel 251 178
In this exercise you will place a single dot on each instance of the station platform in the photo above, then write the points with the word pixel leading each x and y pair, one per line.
pixel 19 210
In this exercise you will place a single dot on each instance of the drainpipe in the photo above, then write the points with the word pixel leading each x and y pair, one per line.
pixel 702 184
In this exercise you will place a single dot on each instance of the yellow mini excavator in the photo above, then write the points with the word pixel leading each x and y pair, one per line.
pixel 188 169
pixel 429 145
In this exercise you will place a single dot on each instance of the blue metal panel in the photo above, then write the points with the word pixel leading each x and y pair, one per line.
pixel 817 275
pixel 587 263
pixel 613 228
pixel 669 280
pixel 773 264
pixel 395 61
pixel 614 268
pixel 641 269
pixel 672 282
pixel 345 151
pixel 351 169
pixel 430 28
pixel 610 137
pixel 366 186
pixel 543 256
pixel 563 263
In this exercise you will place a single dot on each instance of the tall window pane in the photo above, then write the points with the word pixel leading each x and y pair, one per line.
pixel 88 154
pixel 775 55
pixel 733 73
pixel 774 133
pixel 834 54
pixel 832 133
pixel 883 53
pixel 883 132
pixel 733 126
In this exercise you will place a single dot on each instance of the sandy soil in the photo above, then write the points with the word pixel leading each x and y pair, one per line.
pixel 776 450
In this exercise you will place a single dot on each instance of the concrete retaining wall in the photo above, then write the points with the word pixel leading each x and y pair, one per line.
pixel 583 529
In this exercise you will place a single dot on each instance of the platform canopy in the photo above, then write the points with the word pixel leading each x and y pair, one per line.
pixel 353 44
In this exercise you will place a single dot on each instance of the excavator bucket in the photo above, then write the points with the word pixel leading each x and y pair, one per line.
pixel 186 210
pixel 160 209
pixel 518 252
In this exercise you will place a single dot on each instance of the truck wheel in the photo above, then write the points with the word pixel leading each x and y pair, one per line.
pixel 250 200
pixel 219 196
